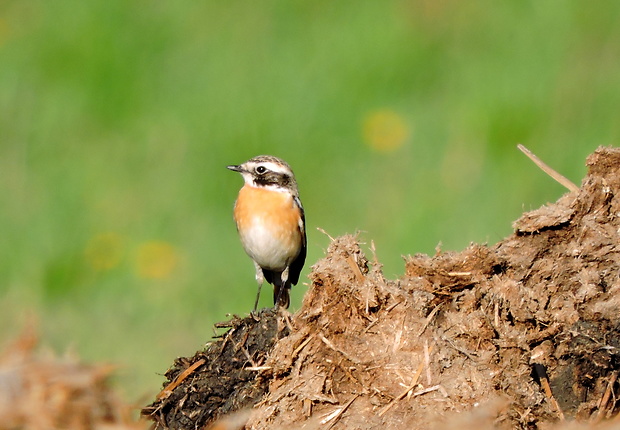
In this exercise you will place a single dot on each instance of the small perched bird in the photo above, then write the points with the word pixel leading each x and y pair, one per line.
pixel 271 224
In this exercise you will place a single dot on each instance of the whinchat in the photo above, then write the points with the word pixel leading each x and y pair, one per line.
pixel 271 224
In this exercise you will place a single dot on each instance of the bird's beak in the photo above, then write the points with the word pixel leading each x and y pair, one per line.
pixel 235 168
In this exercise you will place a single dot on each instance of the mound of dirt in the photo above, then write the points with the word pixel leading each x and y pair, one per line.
pixel 523 334
pixel 42 391
pixel 222 378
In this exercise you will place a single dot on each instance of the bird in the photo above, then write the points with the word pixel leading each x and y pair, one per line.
pixel 271 223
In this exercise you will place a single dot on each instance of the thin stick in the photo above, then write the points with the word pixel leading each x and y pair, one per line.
pixel 548 170
pixel 411 386
pixel 166 392
pixel 334 417
pixel 258 368
pixel 302 346
pixel 392 306
pixel 541 372
pixel 369 326
pixel 325 233
pixel 603 402
pixel 429 318
pixel 356 269
pixel 427 362
pixel 554 402
pixel 427 390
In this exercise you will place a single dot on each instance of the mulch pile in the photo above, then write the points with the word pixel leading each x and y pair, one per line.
pixel 523 334
pixel 42 391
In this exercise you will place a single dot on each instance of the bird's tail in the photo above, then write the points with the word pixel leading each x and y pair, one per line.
pixel 281 294
pixel 281 288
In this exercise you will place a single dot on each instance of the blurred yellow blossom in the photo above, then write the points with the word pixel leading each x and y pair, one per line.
pixel 104 251
pixel 156 260
pixel 385 130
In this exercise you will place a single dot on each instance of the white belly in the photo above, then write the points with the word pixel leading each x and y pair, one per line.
pixel 267 247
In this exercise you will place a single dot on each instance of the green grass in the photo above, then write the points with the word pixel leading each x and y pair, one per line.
pixel 117 118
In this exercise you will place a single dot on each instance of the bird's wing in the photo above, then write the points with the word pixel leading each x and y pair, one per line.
pixel 298 263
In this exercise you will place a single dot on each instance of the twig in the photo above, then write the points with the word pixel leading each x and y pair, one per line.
pixel 549 394
pixel 301 346
pixel 392 306
pixel 241 346
pixel 427 362
pixel 334 416
pixel 166 392
pixel 411 386
pixel 286 315
pixel 258 368
pixel 356 269
pixel 325 233
pixel 373 249
pixel 541 372
pixel 608 391
pixel 429 318
pixel 372 324
pixel 430 390
pixel 548 170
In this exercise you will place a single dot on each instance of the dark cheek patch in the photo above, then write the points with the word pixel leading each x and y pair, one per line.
pixel 272 179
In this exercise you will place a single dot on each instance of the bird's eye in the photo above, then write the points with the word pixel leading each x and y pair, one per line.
pixel 260 170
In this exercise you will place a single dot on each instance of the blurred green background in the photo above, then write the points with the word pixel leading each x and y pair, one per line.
pixel 400 119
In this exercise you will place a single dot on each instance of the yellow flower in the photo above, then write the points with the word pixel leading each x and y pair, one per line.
pixel 156 260
pixel 385 130
pixel 104 251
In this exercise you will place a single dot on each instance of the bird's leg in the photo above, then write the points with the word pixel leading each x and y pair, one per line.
pixel 257 297
pixel 260 278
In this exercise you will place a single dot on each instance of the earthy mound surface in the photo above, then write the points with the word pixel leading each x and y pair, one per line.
pixel 522 334
pixel 43 391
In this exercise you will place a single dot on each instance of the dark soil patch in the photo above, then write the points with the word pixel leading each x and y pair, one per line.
pixel 222 378
pixel 522 334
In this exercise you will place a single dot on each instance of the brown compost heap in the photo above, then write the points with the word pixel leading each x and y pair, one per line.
pixel 521 334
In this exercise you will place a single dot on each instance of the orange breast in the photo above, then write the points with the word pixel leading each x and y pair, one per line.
pixel 268 223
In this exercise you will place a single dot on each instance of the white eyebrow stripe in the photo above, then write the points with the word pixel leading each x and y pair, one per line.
pixel 274 167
